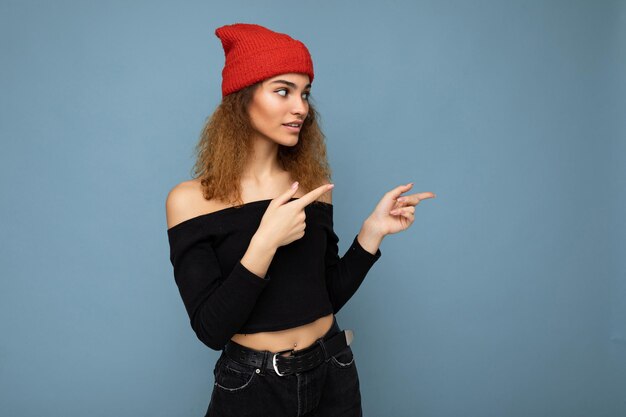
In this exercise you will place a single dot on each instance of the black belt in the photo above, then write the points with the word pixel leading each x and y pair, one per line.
pixel 299 360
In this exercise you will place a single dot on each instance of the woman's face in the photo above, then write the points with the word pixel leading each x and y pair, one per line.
pixel 278 101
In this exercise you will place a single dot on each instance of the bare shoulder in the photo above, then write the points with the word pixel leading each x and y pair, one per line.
pixel 184 201
pixel 179 202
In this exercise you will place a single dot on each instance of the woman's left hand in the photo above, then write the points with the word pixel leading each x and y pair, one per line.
pixel 395 213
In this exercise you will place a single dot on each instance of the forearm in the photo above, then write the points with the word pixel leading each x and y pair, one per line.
pixel 344 275
pixel 216 318
pixel 230 305
pixel 218 307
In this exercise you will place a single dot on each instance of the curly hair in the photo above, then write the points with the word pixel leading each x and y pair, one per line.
pixel 226 142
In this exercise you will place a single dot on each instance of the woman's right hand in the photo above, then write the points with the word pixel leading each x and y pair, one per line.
pixel 284 220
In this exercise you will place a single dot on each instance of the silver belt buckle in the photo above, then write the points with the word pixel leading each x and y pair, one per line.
pixel 349 334
pixel 274 360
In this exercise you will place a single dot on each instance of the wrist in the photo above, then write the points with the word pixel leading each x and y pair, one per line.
pixel 263 244
pixel 370 238
pixel 368 228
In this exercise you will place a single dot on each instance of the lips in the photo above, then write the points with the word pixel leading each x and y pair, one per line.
pixel 291 128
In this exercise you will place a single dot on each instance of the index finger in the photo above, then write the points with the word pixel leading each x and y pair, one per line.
pixel 424 196
pixel 415 198
pixel 311 196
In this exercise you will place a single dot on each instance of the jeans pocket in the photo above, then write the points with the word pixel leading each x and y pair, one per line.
pixel 231 376
pixel 343 359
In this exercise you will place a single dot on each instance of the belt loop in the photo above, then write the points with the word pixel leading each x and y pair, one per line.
pixel 266 354
pixel 321 343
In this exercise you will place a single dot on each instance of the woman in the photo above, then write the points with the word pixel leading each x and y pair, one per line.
pixel 256 286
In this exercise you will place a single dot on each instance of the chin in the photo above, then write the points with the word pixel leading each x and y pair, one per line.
pixel 290 142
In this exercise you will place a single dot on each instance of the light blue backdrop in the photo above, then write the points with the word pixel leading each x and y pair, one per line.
pixel 505 298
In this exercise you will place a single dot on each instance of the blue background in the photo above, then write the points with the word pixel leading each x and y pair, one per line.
pixel 505 298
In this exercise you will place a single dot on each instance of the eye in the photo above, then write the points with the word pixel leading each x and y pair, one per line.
pixel 306 93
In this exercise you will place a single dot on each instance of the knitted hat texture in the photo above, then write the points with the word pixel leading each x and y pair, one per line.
pixel 254 53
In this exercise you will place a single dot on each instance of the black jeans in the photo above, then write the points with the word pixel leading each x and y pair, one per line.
pixel 331 389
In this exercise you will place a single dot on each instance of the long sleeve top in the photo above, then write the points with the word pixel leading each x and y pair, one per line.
pixel 306 279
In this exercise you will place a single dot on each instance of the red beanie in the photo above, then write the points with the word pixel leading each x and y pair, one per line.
pixel 254 53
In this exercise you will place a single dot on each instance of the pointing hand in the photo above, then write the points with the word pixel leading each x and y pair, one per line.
pixel 284 220
pixel 395 213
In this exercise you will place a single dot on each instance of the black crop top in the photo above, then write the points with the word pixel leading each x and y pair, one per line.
pixel 305 280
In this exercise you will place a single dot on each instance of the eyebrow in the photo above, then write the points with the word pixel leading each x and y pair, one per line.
pixel 290 84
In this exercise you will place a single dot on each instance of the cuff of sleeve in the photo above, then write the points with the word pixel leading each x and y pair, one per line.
pixel 249 276
pixel 360 251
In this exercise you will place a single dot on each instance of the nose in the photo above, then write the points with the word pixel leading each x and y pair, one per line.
pixel 300 106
